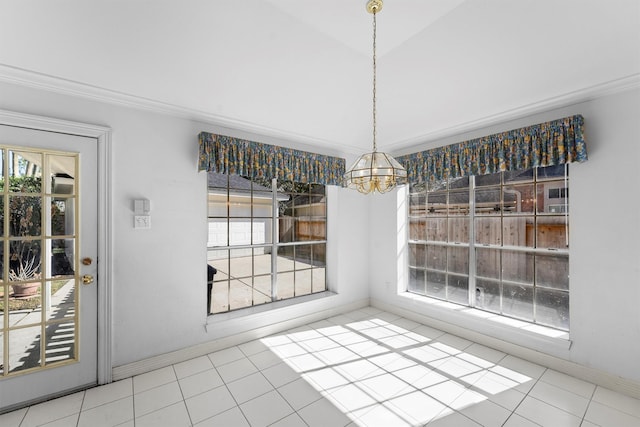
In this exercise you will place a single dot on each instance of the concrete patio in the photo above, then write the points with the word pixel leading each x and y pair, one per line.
pixel 245 281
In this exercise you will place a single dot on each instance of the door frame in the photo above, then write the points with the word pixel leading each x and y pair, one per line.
pixel 105 222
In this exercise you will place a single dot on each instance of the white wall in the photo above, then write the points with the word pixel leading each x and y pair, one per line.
pixel 604 242
pixel 159 275
pixel 159 284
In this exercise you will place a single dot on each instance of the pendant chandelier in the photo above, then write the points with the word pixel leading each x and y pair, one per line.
pixel 375 171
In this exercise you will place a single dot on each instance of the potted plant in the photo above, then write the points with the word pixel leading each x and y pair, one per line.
pixel 28 274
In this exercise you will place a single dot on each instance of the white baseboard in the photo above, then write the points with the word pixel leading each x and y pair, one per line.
pixel 163 360
pixel 595 376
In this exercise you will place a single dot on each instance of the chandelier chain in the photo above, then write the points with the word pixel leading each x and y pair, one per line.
pixel 375 147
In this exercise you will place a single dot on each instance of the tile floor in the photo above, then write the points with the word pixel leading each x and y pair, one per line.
pixel 364 368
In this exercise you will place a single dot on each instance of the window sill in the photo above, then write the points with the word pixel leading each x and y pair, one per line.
pixel 265 308
pixel 494 326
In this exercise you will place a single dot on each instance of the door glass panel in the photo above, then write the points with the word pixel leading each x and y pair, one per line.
pixel 62 216
pixel 1 267
pixel 62 299
pixel 25 304
pixel 25 348
pixel 41 305
pixel 63 171
pixel 2 343
pixel 25 172
pixel 25 215
pixel 62 257
pixel 2 218
pixel 25 263
pixel 60 341
pixel 2 151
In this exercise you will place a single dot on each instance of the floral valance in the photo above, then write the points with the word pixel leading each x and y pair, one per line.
pixel 545 144
pixel 224 154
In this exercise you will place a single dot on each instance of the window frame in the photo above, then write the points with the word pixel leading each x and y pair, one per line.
pixel 273 245
pixel 421 271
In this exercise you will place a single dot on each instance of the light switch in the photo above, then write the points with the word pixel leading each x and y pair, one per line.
pixel 142 221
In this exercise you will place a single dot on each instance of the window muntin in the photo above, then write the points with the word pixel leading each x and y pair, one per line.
pixel 267 240
pixel 503 249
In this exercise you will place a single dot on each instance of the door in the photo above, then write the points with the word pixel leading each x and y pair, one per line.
pixel 48 256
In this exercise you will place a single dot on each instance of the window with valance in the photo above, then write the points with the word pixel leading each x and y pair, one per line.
pixel 227 155
pixel 267 220
pixel 489 222
pixel 545 144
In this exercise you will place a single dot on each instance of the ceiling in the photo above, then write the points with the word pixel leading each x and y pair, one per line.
pixel 302 71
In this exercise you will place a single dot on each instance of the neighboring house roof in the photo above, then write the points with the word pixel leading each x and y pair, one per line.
pixel 238 186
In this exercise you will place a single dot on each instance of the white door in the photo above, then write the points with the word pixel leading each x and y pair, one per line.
pixel 48 240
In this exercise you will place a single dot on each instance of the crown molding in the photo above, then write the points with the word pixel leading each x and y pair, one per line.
pixel 569 98
pixel 23 77
pixel 36 80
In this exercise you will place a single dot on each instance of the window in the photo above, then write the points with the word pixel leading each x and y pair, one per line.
pixel 496 242
pixel 267 240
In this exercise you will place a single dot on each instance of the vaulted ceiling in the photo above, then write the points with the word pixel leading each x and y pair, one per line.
pixel 302 70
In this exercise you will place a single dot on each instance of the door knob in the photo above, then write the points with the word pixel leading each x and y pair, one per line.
pixel 87 279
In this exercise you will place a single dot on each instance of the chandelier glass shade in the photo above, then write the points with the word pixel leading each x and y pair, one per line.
pixel 375 171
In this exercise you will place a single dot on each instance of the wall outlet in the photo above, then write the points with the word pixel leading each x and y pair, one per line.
pixel 142 221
